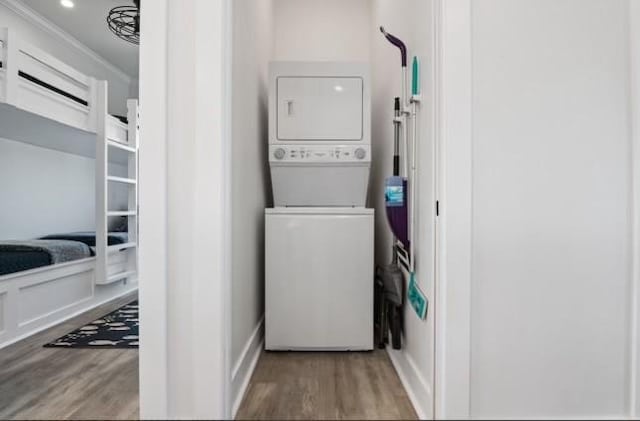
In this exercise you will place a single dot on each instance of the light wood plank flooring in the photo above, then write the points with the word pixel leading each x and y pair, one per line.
pixel 325 385
pixel 51 383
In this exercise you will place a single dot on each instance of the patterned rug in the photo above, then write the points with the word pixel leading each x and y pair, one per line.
pixel 118 329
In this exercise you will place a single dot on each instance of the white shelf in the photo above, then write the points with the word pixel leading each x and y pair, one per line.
pixel 119 153
pixel 122 213
pixel 121 180
pixel 120 275
pixel 119 247
pixel 122 146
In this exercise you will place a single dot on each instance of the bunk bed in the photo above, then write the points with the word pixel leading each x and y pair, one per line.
pixel 19 256
pixel 47 103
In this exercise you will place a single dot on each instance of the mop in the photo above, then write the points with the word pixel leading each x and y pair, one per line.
pixel 391 276
pixel 400 202
pixel 396 203
pixel 396 194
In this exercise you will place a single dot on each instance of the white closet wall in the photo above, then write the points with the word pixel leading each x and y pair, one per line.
pixel 251 186
pixel 279 27
pixel 325 30
pixel 551 209
pixel 348 31
pixel 410 21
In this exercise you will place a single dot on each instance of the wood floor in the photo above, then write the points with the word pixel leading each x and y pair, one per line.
pixel 337 385
pixel 53 383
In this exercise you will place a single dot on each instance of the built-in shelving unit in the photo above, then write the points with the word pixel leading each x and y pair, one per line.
pixel 105 147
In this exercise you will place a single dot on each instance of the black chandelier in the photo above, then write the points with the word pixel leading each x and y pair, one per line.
pixel 124 22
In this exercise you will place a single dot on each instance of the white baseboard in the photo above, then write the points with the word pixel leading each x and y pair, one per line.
pixel 417 388
pixel 245 365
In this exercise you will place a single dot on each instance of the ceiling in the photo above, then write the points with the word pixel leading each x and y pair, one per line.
pixel 87 21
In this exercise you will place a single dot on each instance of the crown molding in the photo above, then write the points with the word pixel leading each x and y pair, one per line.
pixel 43 23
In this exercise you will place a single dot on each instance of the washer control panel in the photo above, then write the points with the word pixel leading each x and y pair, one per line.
pixel 319 154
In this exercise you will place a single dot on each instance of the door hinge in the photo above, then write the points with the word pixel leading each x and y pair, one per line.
pixel 437 208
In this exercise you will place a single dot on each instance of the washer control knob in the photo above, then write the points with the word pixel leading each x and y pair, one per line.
pixel 279 153
pixel 360 153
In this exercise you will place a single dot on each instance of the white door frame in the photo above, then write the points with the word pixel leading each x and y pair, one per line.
pixel 453 295
pixel 453 136
pixel 634 381
pixel 184 228
pixel 227 103
pixel 152 266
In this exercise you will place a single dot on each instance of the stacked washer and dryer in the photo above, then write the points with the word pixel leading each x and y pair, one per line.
pixel 319 236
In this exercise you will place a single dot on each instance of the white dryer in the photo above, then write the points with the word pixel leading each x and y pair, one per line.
pixel 319 133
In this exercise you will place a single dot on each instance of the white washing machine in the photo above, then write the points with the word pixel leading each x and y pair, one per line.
pixel 319 279
pixel 319 236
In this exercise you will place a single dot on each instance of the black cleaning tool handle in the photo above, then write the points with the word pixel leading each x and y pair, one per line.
pixel 396 137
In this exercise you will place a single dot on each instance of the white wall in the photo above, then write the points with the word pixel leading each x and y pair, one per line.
pixel 251 187
pixel 134 89
pixel 408 20
pixel 118 86
pixel 551 208
pixel 45 191
pixel 327 30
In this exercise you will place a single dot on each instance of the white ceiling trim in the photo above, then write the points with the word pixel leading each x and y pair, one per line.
pixel 43 23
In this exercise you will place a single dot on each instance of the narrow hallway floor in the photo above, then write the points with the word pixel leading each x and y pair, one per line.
pixel 60 383
pixel 325 385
